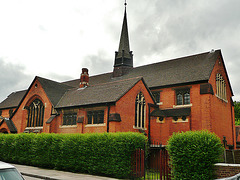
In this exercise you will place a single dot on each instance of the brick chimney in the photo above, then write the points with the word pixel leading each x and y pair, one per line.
pixel 84 79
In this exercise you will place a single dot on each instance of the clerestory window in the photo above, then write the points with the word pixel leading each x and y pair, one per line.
pixel 221 87
pixel 35 114
pixel 140 111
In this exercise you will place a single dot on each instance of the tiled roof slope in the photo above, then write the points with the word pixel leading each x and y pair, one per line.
pixel 97 94
pixel 183 70
pixel 10 125
pixel 93 80
pixel 53 89
pixel 195 68
pixel 12 100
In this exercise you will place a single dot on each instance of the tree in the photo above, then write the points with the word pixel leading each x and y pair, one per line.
pixel 237 112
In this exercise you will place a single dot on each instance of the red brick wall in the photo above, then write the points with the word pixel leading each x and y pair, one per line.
pixel 5 112
pixel 223 170
pixel 125 106
pixel 161 131
pixel 222 113
pixel 4 128
pixel 207 111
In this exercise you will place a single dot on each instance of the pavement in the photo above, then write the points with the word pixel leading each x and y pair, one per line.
pixel 50 174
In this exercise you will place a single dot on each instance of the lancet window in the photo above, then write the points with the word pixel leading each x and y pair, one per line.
pixel 140 111
pixel 221 87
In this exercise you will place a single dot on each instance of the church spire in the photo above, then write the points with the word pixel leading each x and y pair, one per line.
pixel 124 40
pixel 123 57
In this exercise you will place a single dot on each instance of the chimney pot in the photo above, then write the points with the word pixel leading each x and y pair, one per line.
pixel 84 79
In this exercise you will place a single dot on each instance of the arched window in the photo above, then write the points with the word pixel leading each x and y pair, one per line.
pixel 221 87
pixel 35 114
pixel 140 111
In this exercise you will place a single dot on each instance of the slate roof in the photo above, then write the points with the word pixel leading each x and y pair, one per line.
pixel 184 70
pixel 124 40
pixel 12 100
pixel 178 71
pixel 10 125
pixel 189 69
pixel 53 89
pixel 97 94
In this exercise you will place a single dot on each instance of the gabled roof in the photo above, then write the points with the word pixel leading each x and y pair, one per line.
pixel 189 69
pixel 185 70
pixel 54 90
pixel 97 94
pixel 12 128
pixel 12 100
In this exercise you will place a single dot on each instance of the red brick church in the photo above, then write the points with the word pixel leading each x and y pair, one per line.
pixel 182 94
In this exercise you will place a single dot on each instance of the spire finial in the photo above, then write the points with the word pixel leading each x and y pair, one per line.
pixel 125 3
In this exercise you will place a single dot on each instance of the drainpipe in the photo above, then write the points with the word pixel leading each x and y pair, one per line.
pixel 108 115
pixel 190 122
pixel 149 120
pixel 233 130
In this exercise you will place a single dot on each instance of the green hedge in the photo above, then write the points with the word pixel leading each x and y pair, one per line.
pixel 193 154
pixel 108 154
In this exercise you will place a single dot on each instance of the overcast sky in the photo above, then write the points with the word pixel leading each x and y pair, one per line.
pixel 55 39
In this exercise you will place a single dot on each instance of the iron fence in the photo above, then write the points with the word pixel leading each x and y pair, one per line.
pixel 153 164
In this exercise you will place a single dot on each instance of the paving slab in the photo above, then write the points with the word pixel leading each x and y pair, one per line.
pixel 55 174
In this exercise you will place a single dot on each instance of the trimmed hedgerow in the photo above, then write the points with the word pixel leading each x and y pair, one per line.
pixel 108 154
pixel 193 154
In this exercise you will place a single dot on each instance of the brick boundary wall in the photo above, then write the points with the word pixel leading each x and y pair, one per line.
pixel 224 170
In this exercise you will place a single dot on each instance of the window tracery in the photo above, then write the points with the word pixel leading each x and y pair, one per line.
pixel 183 96
pixel 140 111
pixel 221 91
pixel 35 114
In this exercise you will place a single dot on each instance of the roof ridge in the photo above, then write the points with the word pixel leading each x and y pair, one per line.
pixel 138 77
pixel 78 79
pixel 49 80
pixel 179 58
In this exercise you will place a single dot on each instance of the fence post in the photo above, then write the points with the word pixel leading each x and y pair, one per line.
pixel 233 154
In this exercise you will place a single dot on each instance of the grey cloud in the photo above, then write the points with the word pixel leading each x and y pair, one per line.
pixel 57 77
pixel 12 78
pixel 170 29
pixel 182 24
pixel 167 29
pixel 99 63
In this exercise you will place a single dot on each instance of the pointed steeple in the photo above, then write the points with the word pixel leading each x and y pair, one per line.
pixel 124 40
pixel 123 57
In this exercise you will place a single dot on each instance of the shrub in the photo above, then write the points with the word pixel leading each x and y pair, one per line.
pixel 193 154
pixel 108 154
